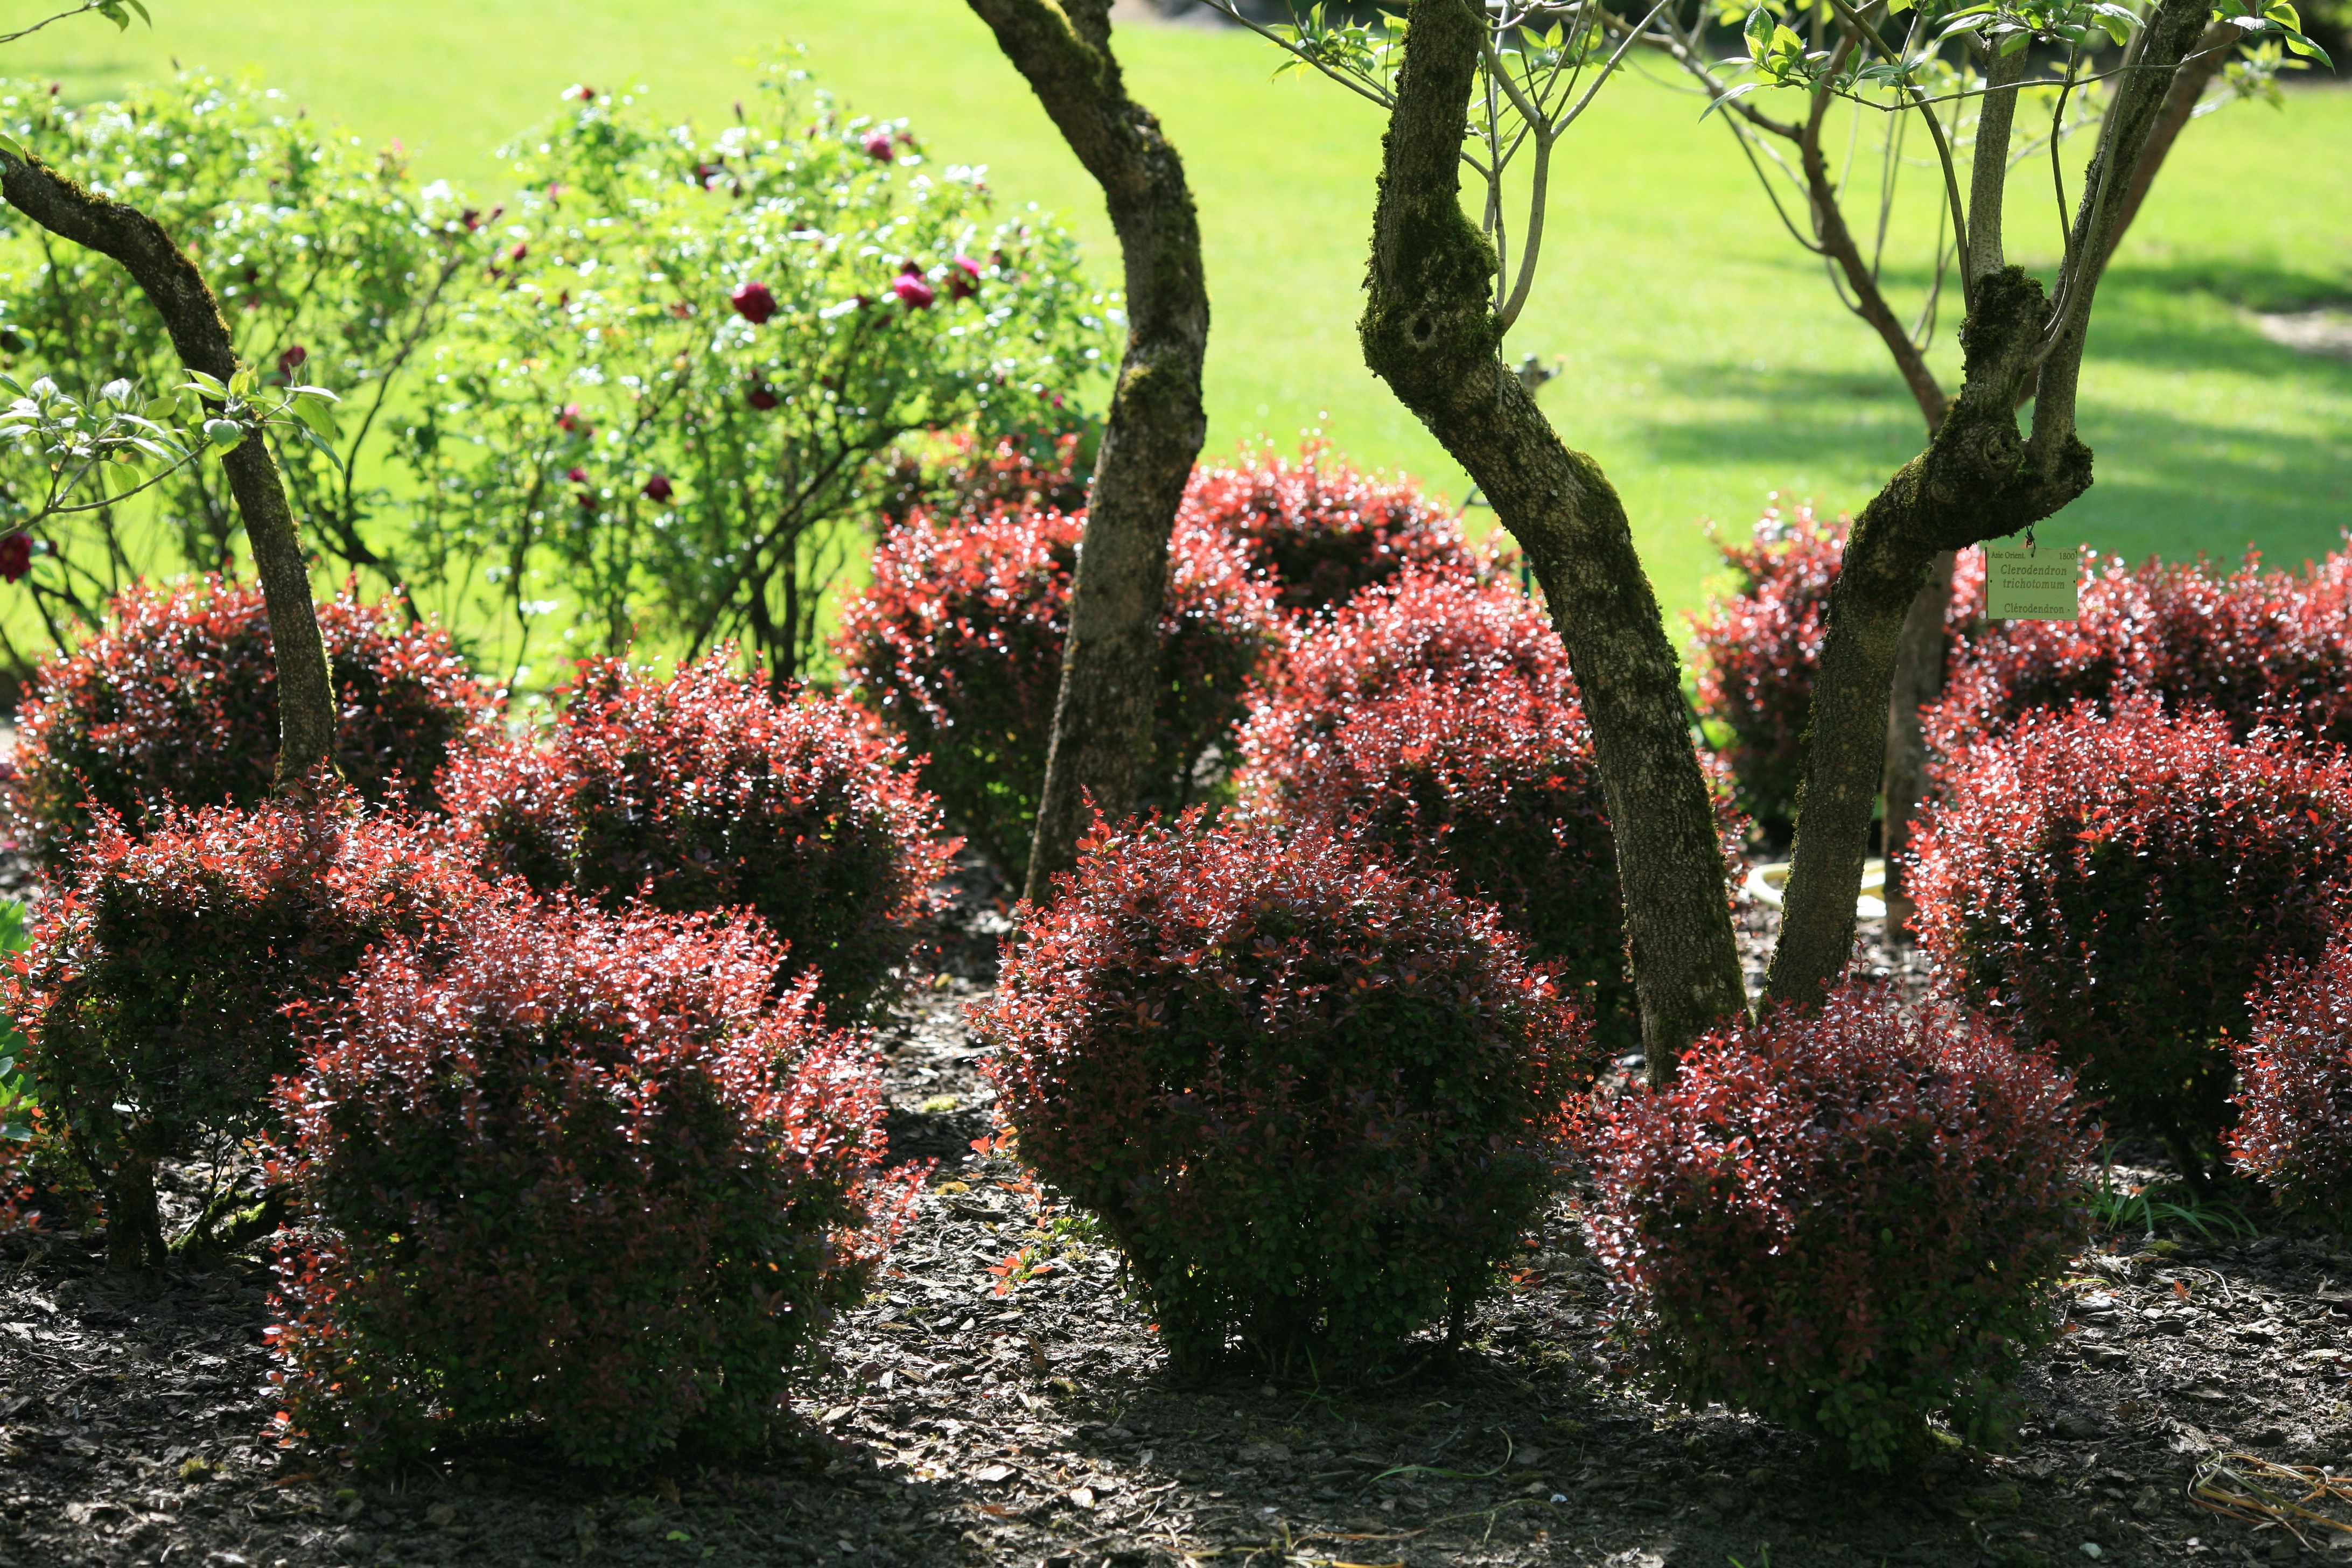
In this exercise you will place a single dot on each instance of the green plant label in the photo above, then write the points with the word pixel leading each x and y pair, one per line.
pixel 2021 584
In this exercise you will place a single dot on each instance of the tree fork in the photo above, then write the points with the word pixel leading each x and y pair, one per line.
pixel 1977 479
pixel 164 273
pixel 1110 663
pixel 1428 331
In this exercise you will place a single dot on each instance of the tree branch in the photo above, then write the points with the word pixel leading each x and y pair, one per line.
pixel 306 702
pixel 2169 33
pixel 1838 243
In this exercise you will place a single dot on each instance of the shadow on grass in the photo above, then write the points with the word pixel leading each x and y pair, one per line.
pixel 1809 418
pixel 2169 481
pixel 2250 286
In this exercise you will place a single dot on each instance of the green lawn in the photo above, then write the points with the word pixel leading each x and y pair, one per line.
pixel 1706 359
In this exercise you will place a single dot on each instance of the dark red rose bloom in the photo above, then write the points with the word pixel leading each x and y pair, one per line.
pixel 753 303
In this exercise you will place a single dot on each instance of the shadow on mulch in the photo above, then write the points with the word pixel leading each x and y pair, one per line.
pixel 1025 1417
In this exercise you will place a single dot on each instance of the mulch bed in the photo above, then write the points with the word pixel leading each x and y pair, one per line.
pixel 1023 1416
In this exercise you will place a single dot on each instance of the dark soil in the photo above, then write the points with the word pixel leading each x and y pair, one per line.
pixel 966 1420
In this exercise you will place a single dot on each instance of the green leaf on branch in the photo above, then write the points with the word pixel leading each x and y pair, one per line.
pixel 314 413
pixel 1726 96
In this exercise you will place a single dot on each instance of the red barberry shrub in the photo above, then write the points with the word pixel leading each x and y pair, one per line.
pixel 1045 467
pixel 2294 1093
pixel 1422 626
pixel 2113 885
pixel 1843 1219
pixel 957 644
pixel 709 792
pixel 2258 647
pixel 177 701
pixel 1433 716
pixel 1756 652
pixel 155 992
pixel 581 1175
pixel 1323 529
pixel 1316 1099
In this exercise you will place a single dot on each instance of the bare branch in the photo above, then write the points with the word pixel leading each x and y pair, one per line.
pixel 1989 170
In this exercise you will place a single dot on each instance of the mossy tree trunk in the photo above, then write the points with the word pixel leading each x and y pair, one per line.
pixel 1102 737
pixel 1429 329
pixel 164 273
pixel 1980 477
pixel 1919 650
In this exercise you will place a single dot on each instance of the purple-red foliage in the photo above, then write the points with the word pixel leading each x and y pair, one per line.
pixel 709 792
pixel 957 644
pixel 581 1174
pixel 1422 626
pixel 1432 716
pixel 1315 1098
pixel 154 995
pixel 177 701
pixel 2294 1088
pixel 2256 646
pixel 2113 885
pixel 1843 1219
pixel 1323 529
pixel 1044 469
pixel 1756 653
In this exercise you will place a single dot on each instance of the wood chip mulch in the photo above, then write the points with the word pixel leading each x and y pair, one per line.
pixel 999 1401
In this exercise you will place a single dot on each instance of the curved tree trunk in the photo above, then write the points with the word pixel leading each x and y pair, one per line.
pixel 306 703
pixel 1429 332
pixel 1110 666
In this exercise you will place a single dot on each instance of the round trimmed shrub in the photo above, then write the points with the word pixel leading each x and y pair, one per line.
pixel 1423 626
pixel 1433 716
pixel 2294 1089
pixel 177 702
pixel 155 996
pixel 1756 652
pixel 1316 1099
pixel 2112 885
pixel 580 1176
pixel 2259 648
pixel 1844 1219
pixel 709 792
pixel 1045 467
pixel 957 644
pixel 1322 529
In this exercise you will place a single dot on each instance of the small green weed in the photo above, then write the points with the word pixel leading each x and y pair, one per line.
pixel 17 1100
pixel 2149 1206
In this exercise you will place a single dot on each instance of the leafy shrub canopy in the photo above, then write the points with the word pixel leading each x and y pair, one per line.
pixel 694 349
pixel 1843 1219
pixel 1756 653
pixel 705 791
pixel 177 702
pixel 957 644
pixel 2256 646
pixel 156 992
pixel 330 262
pixel 579 1174
pixel 1316 1099
pixel 2115 885
pixel 1433 715
pixel 2295 1095
pixel 1321 529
